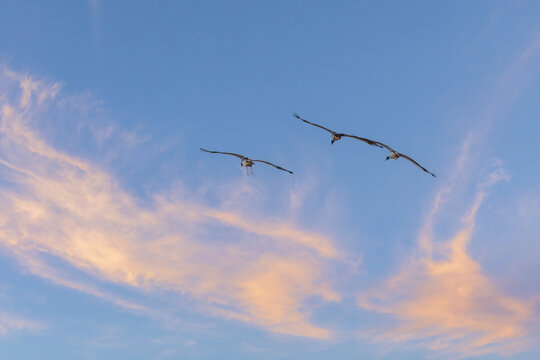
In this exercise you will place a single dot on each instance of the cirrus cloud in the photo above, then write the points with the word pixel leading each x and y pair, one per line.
pixel 53 204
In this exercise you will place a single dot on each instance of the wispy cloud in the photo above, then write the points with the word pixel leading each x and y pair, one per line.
pixel 95 13
pixel 10 324
pixel 442 299
pixel 54 203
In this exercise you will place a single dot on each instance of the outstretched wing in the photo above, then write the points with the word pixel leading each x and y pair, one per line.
pixel 277 167
pixel 383 145
pixel 417 164
pixel 309 122
pixel 226 153
pixel 370 142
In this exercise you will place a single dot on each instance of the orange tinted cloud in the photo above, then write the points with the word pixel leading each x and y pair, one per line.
pixel 57 204
pixel 443 299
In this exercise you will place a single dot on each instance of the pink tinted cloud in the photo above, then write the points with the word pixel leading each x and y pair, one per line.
pixel 62 205
pixel 442 298
pixel 10 324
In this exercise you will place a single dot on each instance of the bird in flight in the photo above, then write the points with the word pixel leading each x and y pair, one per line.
pixel 247 162
pixel 337 136
pixel 395 155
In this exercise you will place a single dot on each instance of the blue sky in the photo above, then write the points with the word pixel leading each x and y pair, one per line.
pixel 119 239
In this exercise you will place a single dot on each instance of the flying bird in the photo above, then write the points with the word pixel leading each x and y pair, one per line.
pixel 337 136
pixel 395 155
pixel 247 162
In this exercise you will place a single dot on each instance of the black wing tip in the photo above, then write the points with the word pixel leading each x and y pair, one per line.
pixel 430 173
pixel 280 168
pixel 296 115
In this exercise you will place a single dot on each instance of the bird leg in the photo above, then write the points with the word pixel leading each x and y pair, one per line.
pixel 251 170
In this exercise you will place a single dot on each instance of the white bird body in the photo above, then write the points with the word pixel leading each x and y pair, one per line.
pixel 393 155
pixel 396 155
pixel 247 163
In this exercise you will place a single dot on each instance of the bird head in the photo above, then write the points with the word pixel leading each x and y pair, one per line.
pixel 388 157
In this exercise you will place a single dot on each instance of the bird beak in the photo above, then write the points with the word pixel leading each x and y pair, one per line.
pixel 388 157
